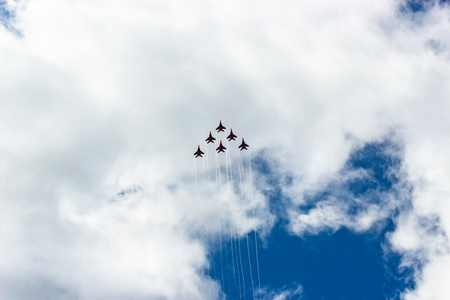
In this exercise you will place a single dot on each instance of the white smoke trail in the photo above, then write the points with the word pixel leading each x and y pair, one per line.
pixel 253 209
pixel 242 268
pixel 217 166
pixel 239 241
pixel 198 195
pixel 248 243
pixel 234 239
pixel 228 174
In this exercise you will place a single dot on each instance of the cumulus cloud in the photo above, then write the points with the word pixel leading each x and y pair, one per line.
pixel 103 103
pixel 370 189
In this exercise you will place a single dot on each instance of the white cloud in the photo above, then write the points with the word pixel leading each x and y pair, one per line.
pixel 291 291
pixel 100 97
pixel 356 198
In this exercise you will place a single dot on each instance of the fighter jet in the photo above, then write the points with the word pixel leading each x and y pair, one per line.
pixel 210 138
pixel 243 146
pixel 220 127
pixel 199 152
pixel 221 148
pixel 231 136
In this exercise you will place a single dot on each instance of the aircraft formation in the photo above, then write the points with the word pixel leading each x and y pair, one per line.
pixel 221 147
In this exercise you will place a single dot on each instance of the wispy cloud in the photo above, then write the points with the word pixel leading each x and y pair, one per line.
pixel 8 16
pixel 370 189
pixel 291 291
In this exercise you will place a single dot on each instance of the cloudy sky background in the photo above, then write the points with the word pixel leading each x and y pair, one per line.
pixel 102 103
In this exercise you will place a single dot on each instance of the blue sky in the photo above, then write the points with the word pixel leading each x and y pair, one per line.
pixel 7 18
pixel 345 108
pixel 333 264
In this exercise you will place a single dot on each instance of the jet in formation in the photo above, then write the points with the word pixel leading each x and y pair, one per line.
pixel 231 136
pixel 220 127
pixel 198 152
pixel 221 148
pixel 243 146
pixel 210 138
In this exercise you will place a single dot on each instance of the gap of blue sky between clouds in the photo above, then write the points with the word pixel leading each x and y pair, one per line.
pixel 419 6
pixel 8 18
pixel 341 262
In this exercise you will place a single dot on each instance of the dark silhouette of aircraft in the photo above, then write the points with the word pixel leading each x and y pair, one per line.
pixel 198 152
pixel 220 127
pixel 221 148
pixel 232 136
pixel 210 138
pixel 243 146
